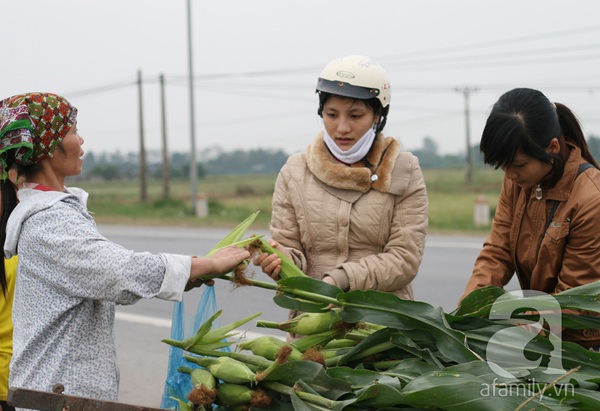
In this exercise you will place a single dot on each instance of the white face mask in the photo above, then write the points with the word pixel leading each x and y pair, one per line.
pixel 356 153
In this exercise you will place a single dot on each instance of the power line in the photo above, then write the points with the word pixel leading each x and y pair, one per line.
pixel 553 60
pixel 497 55
pixel 102 89
pixel 494 43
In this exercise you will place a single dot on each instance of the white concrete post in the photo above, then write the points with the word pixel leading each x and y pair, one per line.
pixel 481 215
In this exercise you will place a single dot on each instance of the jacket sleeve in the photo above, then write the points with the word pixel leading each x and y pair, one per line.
pixel 494 264
pixel 70 254
pixel 580 262
pixel 397 265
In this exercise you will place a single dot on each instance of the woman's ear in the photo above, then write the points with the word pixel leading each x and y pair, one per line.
pixel 554 146
pixel 376 121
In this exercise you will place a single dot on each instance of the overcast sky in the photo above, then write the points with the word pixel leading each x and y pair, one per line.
pixel 257 62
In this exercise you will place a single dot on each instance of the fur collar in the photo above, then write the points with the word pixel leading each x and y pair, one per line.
pixel 358 176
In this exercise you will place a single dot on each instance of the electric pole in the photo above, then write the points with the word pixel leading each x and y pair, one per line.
pixel 165 151
pixel 193 170
pixel 143 184
pixel 466 91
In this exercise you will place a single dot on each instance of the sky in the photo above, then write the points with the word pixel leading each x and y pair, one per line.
pixel 256 63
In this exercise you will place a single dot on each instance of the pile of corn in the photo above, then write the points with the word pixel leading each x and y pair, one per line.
pixel 369 350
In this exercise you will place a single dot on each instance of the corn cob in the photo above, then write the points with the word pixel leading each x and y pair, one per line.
pixel 312 323
pixel 268 346
pixel 233 394
pixel 226 369
pixel 199 376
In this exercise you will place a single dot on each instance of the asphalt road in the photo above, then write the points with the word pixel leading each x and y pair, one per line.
pixel 139 328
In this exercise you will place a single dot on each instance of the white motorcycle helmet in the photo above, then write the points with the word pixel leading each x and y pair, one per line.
pixel 357 77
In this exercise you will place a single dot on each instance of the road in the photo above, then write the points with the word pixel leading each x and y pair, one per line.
pixel 139 328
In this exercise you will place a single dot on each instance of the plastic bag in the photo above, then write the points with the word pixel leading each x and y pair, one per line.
pixel 179 384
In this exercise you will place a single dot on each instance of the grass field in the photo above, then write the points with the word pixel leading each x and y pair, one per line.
pixel 232 198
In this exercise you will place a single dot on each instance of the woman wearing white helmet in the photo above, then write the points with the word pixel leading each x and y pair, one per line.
pixel 352 209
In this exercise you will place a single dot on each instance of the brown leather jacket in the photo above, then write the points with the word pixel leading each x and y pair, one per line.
pixel 565 255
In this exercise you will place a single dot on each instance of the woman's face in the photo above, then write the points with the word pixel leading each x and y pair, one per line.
pixel 67 157
pixel 526 171
pixel 346 120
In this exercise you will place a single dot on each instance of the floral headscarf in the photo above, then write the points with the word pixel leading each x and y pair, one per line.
pixel 33 124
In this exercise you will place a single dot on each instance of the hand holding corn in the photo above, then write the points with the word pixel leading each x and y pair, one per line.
pixel 221 262
pixel 271 263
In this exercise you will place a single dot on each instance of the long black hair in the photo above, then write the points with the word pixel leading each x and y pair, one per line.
pixel 8 202
pixel 525 120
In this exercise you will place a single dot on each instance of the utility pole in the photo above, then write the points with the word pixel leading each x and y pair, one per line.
pixel 143 184
pixel 165 152
pixel 466 91
pixel 193 170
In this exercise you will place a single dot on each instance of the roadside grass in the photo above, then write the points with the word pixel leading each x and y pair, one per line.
pixel 232 198
pixel 452 201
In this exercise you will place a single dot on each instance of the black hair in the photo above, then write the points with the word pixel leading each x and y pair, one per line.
pixel 526 120
pixel 8 202
pixel 372 103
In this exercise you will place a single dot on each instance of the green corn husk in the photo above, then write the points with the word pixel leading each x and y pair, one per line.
pixel 316 340
pixel 268 346
pixel 207 339
pixel 183 406
pixel 308 323
pixel 226 369
pixel 340 343
pixel 233 394
pixel 199 376
pixel 288 268
pixel 252 361
pixel 234 235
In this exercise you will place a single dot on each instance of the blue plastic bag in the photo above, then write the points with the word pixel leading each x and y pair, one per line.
pixel 179 384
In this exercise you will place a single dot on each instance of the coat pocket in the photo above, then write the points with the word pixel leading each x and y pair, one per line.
pixel 555 239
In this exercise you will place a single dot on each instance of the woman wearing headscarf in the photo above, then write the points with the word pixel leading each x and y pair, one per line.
pixel 69 276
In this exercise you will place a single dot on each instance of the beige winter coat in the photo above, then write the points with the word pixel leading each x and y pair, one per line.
pixel 366 232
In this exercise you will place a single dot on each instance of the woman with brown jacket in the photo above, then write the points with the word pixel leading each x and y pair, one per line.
pixel 546 224
pixel 352 209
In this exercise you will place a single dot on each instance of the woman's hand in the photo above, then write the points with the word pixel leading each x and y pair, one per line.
pixel 221 262
pixel 329 280
pixel 271 264
pixel 226 259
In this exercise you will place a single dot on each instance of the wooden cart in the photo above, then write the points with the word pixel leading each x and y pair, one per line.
pixel 57 401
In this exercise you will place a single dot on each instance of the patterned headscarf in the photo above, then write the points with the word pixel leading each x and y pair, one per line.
pixel 33 124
